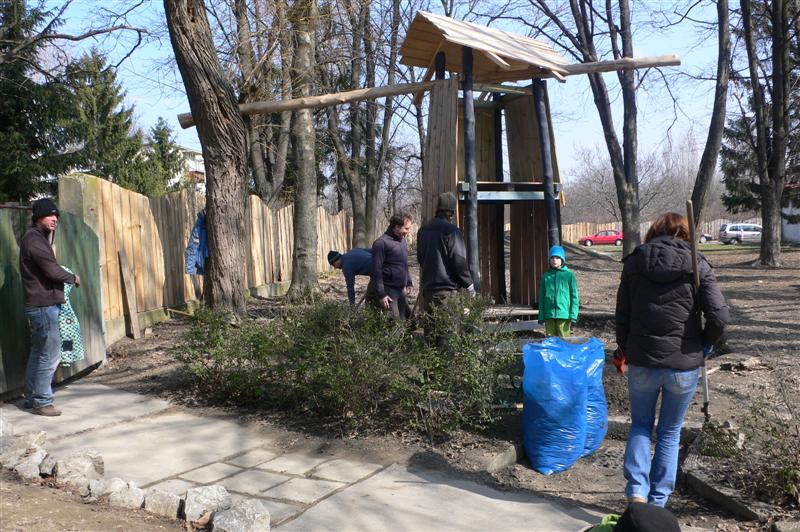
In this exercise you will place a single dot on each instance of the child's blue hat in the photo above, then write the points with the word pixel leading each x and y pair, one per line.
pixel 558 251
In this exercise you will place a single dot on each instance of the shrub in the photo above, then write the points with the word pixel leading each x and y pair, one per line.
pixel 768 467
pixel 356 366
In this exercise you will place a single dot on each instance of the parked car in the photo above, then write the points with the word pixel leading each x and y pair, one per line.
pixel 704 237
pixel 609 236
pixel 736 233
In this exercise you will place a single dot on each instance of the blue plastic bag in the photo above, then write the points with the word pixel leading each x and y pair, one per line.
pixel 558 425
pixel 596 407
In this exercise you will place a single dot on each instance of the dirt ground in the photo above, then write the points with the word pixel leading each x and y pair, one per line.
pixel 28 507
pixel 765 321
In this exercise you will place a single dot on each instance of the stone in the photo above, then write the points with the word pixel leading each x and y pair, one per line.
pixel 162 502
pixel 6 434
pixel 28 465
pixel 245 516
pixel 129 496
pixel 81 466
pixel 10 458
pixel 48 466
pixel 30 439
pixel 786 526
pixel 102 487
pixel 206 498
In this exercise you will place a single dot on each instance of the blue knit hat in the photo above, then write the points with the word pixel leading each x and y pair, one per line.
pixel 558 251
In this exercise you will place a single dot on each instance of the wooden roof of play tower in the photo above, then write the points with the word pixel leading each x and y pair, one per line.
pixel 498 55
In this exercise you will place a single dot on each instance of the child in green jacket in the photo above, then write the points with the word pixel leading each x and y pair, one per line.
pixel 558 296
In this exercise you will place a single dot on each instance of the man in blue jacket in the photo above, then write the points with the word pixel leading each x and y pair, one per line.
pixel 390 281
pixel 357 261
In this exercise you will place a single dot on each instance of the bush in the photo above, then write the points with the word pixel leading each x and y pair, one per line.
pixel 355 366
pixel 771 456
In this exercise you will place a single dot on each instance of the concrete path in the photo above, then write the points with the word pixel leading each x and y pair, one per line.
pixel 154 444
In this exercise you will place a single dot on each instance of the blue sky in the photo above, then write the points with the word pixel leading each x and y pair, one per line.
pixel 153 84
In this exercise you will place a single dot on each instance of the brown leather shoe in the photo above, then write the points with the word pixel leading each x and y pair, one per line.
pixel 47 410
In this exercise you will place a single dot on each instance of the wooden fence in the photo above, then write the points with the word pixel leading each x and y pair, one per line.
pixel 573 232
pixel 153 233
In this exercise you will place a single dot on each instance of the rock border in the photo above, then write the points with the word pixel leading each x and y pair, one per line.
pixel 82 472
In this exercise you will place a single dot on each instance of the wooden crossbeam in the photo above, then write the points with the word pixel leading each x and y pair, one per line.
pixel 313 102
pixel 371 93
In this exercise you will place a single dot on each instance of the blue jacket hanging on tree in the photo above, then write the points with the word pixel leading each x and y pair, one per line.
pixel 197 249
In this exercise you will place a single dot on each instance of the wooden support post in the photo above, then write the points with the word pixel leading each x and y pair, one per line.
pixel 542 122
pixel 500 219
pixel 470 168
pixel 130 296
pixel 440 65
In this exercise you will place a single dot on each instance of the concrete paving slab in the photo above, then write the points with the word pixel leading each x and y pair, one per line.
pixel 84 406
pixel 252 481
pixel 278 511
pixel 253 458
pixel 176 485
pixel 148 450
pixel 397 499
pixel 305 490
pixel 344 470
pixel 295 463
pixel 211 472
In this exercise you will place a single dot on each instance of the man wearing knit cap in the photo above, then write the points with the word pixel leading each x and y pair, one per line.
pixel 357 261
pixel 442 255
pixel 43 291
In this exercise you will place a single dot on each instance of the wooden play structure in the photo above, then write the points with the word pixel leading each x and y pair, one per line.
pixel 464 146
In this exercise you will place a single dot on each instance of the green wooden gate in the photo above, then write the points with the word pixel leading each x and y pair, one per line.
pixel 77 247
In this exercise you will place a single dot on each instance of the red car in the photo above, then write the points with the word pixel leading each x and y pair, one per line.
pixel 609 236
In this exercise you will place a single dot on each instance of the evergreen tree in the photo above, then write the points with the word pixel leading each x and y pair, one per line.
pixel 107 145
pixel 33 107
pixel 167 158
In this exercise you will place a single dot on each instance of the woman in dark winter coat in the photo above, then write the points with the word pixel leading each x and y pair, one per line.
pixel 659 332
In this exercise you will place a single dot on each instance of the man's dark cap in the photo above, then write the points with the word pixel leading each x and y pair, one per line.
pixel 333 256
pixel 446 202
pixel 44 207
pixel 641 517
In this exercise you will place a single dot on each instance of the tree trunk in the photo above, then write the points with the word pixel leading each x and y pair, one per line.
pixel 630 208
pixel 223 137
pixel 249 92
pixel 371 122
pixel 770 254
pixel 770 152
pixel 304 258
pixel 356 185
pixel 284 131
pixel 708 161
pixel 388 111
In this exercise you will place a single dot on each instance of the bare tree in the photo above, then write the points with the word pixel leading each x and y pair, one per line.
pixel 771 139
pixel 223 137
pixel 708 162
pixel 303 18
pixel 580 29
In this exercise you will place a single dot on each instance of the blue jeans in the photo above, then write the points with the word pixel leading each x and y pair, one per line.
pixel 44 356
pixel 655 481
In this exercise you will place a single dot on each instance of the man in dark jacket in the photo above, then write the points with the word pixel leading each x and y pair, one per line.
pixel 390 281
pixel 43 290
pixel 357 261
pixel 442 255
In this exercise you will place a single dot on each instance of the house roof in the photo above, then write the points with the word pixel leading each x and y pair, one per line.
pixel 498 55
